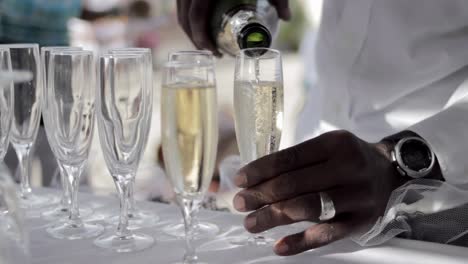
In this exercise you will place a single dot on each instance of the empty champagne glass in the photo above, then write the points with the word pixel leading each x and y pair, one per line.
pixel 69 122
pixel 61 210
pixel 122 119
pixel 139 218
pixel 258 106
pixel 201 229
pixel 189 135
pixel 6 102
pixel 26 117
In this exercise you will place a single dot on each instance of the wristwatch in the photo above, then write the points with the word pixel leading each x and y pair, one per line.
pixel 413 157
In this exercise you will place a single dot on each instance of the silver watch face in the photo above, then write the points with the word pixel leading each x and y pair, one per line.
pixel 414 156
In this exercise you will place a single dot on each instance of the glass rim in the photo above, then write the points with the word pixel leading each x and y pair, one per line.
pixel 128 55
pixel 50 48
pixel 204 52
pixel 188 64
pixel 243 52
pixel 70 52
pixel 20 45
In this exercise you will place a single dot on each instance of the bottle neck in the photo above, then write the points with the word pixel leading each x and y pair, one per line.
pixel 254 35
pixel 242 30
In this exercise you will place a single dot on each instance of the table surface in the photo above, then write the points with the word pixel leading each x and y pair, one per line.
pixel 46 250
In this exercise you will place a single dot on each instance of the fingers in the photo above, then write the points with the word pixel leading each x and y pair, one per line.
pixel 199 14
pixel 313 151
pixel 314 237
pixel 303 208
pixel 288 185
pixel 282 7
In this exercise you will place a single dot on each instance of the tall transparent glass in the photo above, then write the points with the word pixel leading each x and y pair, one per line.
pixel 189 135
pixel 69 122
pixel 61 210
pixel 6 102
pixel 202 229
pixel 140 218
pixel 13 234
pixel 258 106
pixel 26 117
pixel 122 119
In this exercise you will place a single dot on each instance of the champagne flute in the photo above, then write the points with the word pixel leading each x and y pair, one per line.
pixel 258 106
pixel 69 122
pixel 6 102
pixel 189 135
pixel 26 117
pixel 61 210
pixel 140 218
pixel 122 114
pixel 201 229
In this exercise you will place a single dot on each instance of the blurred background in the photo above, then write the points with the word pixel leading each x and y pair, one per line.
pixel 102 24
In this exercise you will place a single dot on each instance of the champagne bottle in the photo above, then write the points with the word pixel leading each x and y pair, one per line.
pixel 241 24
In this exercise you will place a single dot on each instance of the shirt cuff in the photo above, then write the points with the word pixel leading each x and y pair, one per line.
pixel 447 134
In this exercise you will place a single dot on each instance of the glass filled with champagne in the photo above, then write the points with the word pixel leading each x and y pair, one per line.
pixel 202 229
pixel 258 106
pixel 189 134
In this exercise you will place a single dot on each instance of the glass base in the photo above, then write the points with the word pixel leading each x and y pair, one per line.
pixel 190 261
pixel 250 240
pixel 60 212
pixel 71 231
pixel 35 201
pixel 121 244
pixel 138 219
pixel 202 230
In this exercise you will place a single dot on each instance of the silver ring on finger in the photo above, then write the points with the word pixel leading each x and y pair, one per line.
pixel 327 207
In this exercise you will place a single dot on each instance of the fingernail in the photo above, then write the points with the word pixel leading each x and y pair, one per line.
pixel 239 203
pixel 240 180
pixel 282 248
pixel 250 222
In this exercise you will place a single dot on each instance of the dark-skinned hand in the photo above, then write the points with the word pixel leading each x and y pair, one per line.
pixel 194 16
pixel 283 188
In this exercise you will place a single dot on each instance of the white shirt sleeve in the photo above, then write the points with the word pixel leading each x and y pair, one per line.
pixel 447 134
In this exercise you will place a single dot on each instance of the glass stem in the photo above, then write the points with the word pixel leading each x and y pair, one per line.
pixel 23 152
pixel 123 187
pixel 131 198
pixel 65 200
pixel 73 179
pixel 189 210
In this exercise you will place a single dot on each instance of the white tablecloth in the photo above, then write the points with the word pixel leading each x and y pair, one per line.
pixel 46 250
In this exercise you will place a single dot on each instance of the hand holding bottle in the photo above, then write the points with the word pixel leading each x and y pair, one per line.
pixel 195 17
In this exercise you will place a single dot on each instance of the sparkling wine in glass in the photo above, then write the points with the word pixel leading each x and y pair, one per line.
pixel 123 116
pixel 189 135
pixel 69 121
pixel 201 229
pixel 258 106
